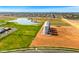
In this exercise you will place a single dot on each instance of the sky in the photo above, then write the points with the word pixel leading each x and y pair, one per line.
pixel 39 8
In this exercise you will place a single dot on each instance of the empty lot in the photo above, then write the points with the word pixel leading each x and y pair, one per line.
pixel 68 36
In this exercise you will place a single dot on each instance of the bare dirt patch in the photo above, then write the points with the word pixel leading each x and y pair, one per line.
pixel 68 36
pixel 74 21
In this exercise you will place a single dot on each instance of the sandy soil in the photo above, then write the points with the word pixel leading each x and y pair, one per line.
pixel 68 36
pixel 74 21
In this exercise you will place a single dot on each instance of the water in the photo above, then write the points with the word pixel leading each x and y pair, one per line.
pixel 23 21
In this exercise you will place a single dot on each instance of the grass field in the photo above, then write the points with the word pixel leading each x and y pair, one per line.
pixel 5 19
pixel 22 38
pixel 56 21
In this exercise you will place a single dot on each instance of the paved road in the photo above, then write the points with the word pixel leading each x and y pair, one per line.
pixel 44 51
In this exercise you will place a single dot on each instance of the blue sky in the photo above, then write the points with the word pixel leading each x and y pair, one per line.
pixel 39 8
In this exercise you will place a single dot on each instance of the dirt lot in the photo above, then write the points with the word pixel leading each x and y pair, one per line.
pixel 68 36
pixel 74 21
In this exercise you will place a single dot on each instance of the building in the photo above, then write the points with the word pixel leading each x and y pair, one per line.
pixel 46 27
pixel 2 30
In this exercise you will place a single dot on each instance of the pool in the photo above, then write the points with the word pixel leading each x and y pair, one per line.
pixel 24 21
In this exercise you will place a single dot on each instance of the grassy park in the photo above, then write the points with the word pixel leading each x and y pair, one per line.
pixel 22 38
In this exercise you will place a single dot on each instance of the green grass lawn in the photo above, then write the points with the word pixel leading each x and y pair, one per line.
pixel 22 38
pixel 3 20
pixel 57 22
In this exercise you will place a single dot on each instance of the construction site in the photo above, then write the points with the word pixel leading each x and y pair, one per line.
pixel 58 36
